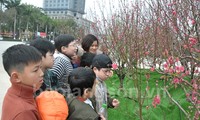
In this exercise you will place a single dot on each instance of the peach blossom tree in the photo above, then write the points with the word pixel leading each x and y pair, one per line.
pixel 159 35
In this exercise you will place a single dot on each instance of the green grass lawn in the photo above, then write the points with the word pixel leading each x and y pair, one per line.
pixel 128 109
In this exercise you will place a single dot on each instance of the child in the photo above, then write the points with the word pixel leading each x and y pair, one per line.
pixel 101 65
pixel 86 59
pixel 90 43
pixel 81 81
pixel 76 58
pixel 47 49
pixel 23 65
pixel 66 48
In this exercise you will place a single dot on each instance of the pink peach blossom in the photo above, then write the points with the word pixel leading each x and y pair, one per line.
pixel 179 69
pixel 196 71
pixel 194 96
pixel 175 28
pixel 177 59
pixel 187 94
pixel 166 66
pixel 187 72
pixel 170 4
pixel 146 53
pixel 197 50
pixel 195 86
pixel 170 60
pixel 156 101
pixel 152 69
pixel 114 66
pixel 191 49
pixel 197 115
pixel 193 21
pixel 193 41
pixel 185 46
pixel 171 70
pixel 174 12
pixel 176 80
pixel 147 28
pixel 159 19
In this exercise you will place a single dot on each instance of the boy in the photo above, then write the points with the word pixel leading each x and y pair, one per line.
pixel 66 48
pixel 47 50
pixel 102 65
pixel 23 65
pixel 81 81
pixel 86 59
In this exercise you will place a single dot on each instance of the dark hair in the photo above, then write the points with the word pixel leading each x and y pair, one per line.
pixel 80 79
pixel 87 42
pixel 86 59
pixel 19 56
pixel 43 45
pixel 63 40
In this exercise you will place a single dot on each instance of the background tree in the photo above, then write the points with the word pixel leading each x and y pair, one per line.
pixel 68 26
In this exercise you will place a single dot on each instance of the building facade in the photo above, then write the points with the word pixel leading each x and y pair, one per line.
pixel 67 9
pixel 62 9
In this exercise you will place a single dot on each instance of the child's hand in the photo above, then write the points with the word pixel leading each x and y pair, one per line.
pixel 102 117
pixel 115 103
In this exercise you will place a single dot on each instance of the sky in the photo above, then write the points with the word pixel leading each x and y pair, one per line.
pixel 39 3
pixel 91 6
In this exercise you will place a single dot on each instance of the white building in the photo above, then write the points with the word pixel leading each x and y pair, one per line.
pixel 67 9
pixel 61 9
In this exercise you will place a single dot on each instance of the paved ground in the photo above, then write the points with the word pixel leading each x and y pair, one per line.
pixel 4 78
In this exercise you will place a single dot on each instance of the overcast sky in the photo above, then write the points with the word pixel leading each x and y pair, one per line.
pixel 39 3
pixel 91 6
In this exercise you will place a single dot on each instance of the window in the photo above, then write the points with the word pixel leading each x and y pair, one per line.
pixel 75 6
pixel 75 1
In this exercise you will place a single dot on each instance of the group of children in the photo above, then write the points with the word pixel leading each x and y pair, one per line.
pixel 44 66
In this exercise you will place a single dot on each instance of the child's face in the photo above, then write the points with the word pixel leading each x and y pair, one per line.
pixel 103 73
pixel 93 48
pixel 47 62
pixel 70 50
pixel 32 75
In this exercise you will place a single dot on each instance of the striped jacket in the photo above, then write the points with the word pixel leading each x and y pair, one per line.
pixel 61 68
